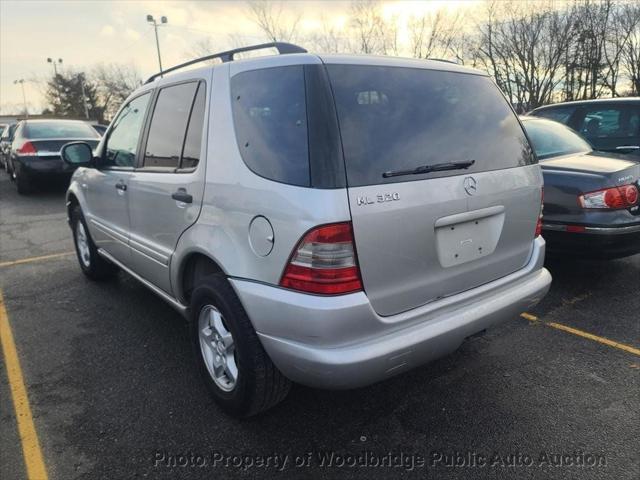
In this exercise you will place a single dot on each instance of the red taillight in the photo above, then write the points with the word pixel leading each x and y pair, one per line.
pixel 630 193
pixel 27 148
pixel 624 196
pixel 324 262
pixel 539 222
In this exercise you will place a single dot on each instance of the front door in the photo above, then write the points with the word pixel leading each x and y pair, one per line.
pixel 106 187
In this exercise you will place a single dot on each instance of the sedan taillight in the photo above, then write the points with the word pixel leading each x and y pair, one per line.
pixel 624 196
pixel 324 262
pixel 27 148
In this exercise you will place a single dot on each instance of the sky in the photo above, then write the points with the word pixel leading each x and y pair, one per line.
pixel 86 33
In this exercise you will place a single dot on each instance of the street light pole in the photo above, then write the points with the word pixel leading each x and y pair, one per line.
pixel 54 62
pixel 84 97
pixel 163 20
pixel 24 97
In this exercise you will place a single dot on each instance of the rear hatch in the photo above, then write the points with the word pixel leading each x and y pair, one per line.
pixel 420 237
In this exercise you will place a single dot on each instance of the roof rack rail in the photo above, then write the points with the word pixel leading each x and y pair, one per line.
pixel 282 47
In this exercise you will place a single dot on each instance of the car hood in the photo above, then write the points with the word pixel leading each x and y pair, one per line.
pixel 590 162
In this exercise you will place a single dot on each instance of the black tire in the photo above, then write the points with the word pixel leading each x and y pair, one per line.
pixel 23 183
pixel 259 385
pixel 10 170
pixel 96 268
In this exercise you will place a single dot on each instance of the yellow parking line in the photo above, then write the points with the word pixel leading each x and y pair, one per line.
pixel 28 437
pixel 583 334
pixel 35 259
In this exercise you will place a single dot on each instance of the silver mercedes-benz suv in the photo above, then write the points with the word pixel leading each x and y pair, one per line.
pixel 327 220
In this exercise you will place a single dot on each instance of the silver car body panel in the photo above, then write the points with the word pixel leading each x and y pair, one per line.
pixel 235 196
pixel 341 342
pixel 157 220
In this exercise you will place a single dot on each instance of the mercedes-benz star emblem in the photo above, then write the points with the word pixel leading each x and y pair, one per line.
pixel 470 185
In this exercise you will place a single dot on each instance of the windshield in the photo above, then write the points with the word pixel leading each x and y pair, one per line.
pixel 397 119
pixel 552 139
pixel 46 130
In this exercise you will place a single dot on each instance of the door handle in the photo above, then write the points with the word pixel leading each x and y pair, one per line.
pixel 628 147
pixel 121 186
pixel 182 196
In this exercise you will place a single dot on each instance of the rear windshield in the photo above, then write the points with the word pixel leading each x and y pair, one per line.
pixel 59 130
pixel 550 139
pixel 401 118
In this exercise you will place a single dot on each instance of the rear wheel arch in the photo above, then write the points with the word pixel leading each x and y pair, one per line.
pixel 72 202
pixel 195 267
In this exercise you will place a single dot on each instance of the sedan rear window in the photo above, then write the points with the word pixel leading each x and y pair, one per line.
pixel 551 139
pixel 46 130
pixel 395 118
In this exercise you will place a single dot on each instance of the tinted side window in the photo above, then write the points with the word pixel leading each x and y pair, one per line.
pixel 559 114
pixel 193 140
pixel 395 118
pixel 168 125
pixel 610 122
pixel 270 117
pixel 123 139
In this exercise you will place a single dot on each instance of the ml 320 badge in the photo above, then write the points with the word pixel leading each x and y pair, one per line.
pixel 380 198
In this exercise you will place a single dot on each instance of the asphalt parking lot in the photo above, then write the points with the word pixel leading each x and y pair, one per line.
pixel 112 392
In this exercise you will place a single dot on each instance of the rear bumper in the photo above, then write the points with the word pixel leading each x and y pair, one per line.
pixel 340 342
pixel 595 242
pixel 35 166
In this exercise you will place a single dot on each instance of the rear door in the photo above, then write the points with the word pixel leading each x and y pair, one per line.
pixel 165 192
pixel 426 236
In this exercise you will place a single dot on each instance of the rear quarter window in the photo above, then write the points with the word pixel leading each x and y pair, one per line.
pixel 270 119
pixel 394 118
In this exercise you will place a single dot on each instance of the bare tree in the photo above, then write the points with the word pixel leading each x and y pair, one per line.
pixel 524 51
pixel 367 27
pixel 435 34
pixel 628 19
pixel 331 39
pixel 113 84
pixel 269 17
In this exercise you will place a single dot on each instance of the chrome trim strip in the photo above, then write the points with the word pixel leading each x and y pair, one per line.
pixel 183 310
pixel 614 230
pixel 554 226
pixel 561 227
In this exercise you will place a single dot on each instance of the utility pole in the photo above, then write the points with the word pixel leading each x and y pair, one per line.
pixel 24 97
pixel 163 20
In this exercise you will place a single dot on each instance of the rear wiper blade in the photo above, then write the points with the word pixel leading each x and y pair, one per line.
pixel 437 167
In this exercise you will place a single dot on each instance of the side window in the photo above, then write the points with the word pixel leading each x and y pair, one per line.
pixel 270 118
pixel 168 126
pixel 123 139
pixel 559 114
pixel 604 123
pixel 193 140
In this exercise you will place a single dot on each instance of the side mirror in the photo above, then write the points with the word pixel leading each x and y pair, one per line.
pixel 77 154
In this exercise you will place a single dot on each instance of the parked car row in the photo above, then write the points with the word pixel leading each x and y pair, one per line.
pixel 357 216
pixel 30 149
pixel 591 198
